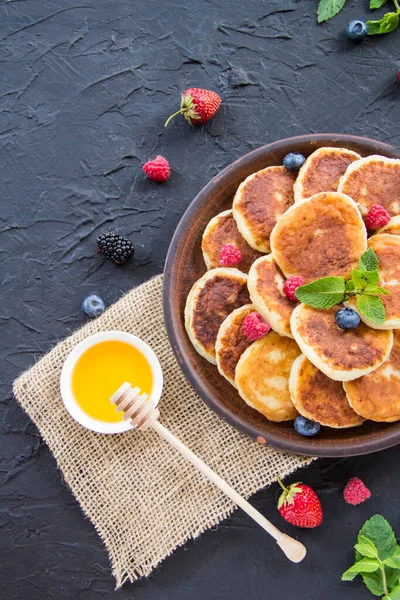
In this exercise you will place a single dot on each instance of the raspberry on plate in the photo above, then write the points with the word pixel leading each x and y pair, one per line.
pixel 290 286
pixel 356 491
pixel 254 327
pixel 377 217
pixel 229 255
pixel 157 169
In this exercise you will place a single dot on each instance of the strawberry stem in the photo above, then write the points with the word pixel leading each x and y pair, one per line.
pixel 178 112
pixel 285 489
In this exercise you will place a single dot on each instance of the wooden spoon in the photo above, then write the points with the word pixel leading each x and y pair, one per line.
pixel 143 415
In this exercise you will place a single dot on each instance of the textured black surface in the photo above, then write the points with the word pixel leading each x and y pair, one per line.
pixel 84 92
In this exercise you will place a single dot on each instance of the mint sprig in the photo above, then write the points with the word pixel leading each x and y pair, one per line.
pixel 326 292
pixel 377 559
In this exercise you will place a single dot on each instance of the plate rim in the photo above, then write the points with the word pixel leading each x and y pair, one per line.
pixel 383 441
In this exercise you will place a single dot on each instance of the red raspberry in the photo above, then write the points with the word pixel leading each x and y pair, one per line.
pixel 290 286
pixel 254 327
pixel 229 255
pixel 377 217
pixel 157 169
pixel 356 492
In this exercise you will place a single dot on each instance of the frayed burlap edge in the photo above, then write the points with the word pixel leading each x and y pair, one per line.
pixel 142 497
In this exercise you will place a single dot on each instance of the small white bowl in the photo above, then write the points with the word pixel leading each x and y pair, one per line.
pixel 68 397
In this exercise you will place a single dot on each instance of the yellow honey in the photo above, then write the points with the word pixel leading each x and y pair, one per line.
pixel 101 370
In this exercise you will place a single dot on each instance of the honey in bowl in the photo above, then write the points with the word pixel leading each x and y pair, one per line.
pixel 101 370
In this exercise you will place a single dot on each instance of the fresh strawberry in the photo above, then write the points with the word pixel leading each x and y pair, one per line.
pixel 197 106
pixel 299 505
pixel 157 169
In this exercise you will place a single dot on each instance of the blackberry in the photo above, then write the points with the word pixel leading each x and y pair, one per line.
pixel 115 247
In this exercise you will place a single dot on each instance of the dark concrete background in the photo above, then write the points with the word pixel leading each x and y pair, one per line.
pixel 84 92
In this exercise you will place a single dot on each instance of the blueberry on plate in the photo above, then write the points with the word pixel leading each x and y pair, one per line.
pixel 356 31
pixel 93 306
pixel 306 427
pixel 347 318
pixel 293 161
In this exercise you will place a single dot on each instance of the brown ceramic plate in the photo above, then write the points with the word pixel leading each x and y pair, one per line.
pixel 184 265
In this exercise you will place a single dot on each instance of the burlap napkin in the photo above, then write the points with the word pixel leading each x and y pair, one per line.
pixel 143 498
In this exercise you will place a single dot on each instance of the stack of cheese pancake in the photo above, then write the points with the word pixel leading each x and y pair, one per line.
pixel 308 225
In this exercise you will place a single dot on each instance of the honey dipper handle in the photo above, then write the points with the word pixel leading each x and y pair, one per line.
pixel 294 550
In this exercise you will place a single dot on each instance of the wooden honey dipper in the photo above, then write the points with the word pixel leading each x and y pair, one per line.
pixel 144 414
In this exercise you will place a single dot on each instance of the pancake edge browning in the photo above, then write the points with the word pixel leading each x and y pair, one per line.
pixel 225 325
pixel 272 317
pixel 355 167
pixel 211 224
pixel 191 299
pixel 317 361
pixel 294 380
pixel 298 185
pixel 241 221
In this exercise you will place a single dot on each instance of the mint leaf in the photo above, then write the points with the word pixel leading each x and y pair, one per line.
pixel 365 565
pixel 387 24
pixel 394 594
pixel 371 307
pixel 378 530
pixel 349 286
pixel 374 582
pixel 322 293
pixel 376 3
pixel 366 547
pixel 373 290
pixel 328 9
pixel 394 560
pixel 362 278
pixel 368 261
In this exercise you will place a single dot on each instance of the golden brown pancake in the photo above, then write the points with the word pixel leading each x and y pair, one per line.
pixel 262 376
pixel 259 202
pixel 212 298
pixel 387 250
pixel 377 396
pixel 232 342
pixel 373 180
pixel 265 283
pixel 393 227
pixel 323 235
pixel 319 398
pixel 322 171
pixel 341 354
pixel 221 230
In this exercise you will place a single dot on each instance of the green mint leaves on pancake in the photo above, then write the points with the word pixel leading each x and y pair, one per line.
pixel 371 307
pixel 322 293
pixel 368 261
pixel 377 559
pixel 328 9
pixel 329 291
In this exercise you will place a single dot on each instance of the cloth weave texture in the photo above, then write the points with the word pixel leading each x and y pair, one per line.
pixel 142 497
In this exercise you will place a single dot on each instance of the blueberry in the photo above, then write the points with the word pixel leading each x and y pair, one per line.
pixel 306 427
pixel 293 161
pixel 356 31
pixel 347 318
pixel 93 306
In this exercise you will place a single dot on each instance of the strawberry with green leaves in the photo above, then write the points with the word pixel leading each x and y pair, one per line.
pixel 300 505
pixel 197 106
